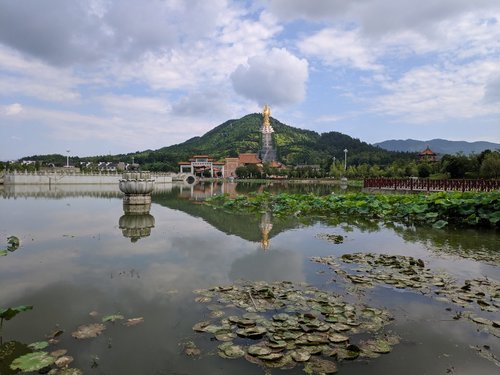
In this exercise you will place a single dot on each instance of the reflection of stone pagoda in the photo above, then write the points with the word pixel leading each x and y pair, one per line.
pixel 135 224
pixel 268 153
pixel 265 227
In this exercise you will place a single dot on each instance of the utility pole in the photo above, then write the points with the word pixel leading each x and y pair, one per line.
pixel 345 159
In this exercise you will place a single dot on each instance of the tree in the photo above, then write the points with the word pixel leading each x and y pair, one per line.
pixel 242 172
pixel 490 167
pixel 424 170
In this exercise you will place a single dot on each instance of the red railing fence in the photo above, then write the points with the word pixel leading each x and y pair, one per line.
pixel 425 184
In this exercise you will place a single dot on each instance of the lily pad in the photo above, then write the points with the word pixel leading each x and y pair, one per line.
pixel 190 349
pixel 88 331
pixel 39 345
pixel 32 362
pixel 11 312
pixel 230 351
pixel 337 338
pixel 112 318
pixel 63 361
pixel 300 355
pixel 58 353
pixel 133 321
pixel 318 366
pixel 259 350
pixel 13 242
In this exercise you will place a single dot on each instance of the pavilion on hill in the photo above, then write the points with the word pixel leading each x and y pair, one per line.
pixel 427 155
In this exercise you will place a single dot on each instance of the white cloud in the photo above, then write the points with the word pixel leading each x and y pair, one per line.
pixel 118 104
pixel 338 47
pixel 13 109
pixel 278 78
pixel 437 93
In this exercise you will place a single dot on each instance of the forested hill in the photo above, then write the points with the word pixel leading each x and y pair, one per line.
pixel 295 146
pixel 440 146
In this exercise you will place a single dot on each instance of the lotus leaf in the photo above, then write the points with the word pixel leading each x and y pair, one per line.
pixel 190 349
pixel 318 366
pixel 337 338
pixel 63 361
pixel 134 321
pixel 58 353
pixel 32 362
pixel 229 350
pixel 11 312
pixel 39 345
pixel 13 242
pixel 112 318
pixel 88 331
pixel 226 336
pixel 258 350
pixel 300 355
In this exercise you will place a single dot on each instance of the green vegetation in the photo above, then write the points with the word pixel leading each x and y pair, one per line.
pixel 313 152
pixel 437 209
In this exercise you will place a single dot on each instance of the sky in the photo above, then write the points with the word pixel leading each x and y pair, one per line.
pixel 99 77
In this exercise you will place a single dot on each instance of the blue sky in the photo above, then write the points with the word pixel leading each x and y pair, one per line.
pixel 103 77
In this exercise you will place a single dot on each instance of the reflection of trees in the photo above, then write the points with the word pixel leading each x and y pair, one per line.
pixel 246 226
pixel 479 244
pixel 290 187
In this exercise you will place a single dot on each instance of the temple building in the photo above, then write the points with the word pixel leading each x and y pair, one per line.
pixel 202 165
pixel 427 155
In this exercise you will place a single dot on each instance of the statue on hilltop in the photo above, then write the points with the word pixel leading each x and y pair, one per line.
pixel 266 113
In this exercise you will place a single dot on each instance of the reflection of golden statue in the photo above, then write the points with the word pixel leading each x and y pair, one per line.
pixel 265 227
pixel 266 112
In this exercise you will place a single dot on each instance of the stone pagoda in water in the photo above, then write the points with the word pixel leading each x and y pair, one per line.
pixel 268 152
pixel 137 185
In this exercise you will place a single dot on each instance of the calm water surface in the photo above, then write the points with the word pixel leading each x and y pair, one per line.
pixel 80 254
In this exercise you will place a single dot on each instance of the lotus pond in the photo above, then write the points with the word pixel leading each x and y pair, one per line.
pixel 244 287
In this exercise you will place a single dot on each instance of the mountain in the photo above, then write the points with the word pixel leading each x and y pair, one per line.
pixel 294 145
pixel 439 146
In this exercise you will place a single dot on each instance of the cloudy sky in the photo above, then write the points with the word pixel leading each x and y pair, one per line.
pixel 114 76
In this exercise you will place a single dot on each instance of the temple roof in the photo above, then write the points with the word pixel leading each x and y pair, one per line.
pixel 427 151
pixel 249 159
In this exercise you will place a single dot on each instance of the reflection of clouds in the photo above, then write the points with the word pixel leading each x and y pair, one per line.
pixel 272 265
pixel 428 331
pixel 184 253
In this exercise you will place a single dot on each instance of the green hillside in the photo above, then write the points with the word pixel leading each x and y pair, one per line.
pixel 294 145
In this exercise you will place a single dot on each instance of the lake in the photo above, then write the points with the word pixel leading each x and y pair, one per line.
pixel 83 258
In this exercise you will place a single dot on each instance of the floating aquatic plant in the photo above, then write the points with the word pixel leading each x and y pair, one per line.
pixel 366 270
pixel 39 345
pixel 32 362
pixel 88 331
pixel 436 209
pixel 112 318
pixel 281 324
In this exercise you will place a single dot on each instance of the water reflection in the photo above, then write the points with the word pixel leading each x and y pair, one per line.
pixel 265 227
pixel 68 190
pixel 136 222
pixel 73 259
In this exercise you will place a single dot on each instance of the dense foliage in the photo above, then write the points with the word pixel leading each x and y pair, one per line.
pixel 314 154
pixel 294 145
pixel 437 209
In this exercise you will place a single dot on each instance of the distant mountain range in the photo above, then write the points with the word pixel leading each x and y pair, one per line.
pixel 439 146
